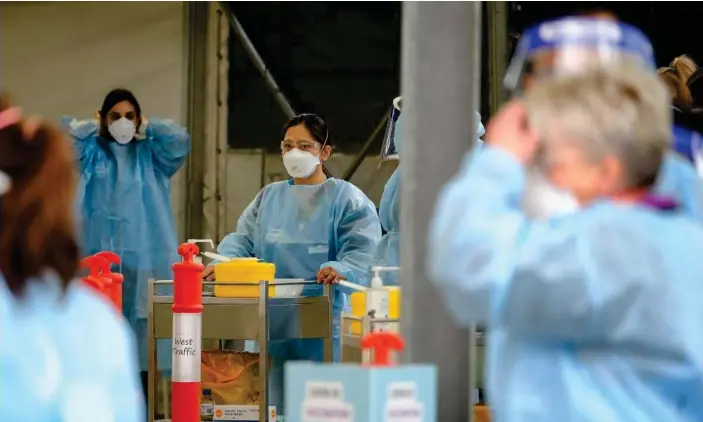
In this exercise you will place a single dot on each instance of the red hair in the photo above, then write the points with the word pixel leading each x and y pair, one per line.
pixel 37 227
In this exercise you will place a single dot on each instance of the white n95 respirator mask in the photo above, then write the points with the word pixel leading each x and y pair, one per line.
pixel 122 130
pixel 541 199
pixel 300 164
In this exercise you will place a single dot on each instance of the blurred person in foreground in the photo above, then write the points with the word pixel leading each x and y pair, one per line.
pixel 64 352
pixel 594 315
pixel 575 44
pixel 126 164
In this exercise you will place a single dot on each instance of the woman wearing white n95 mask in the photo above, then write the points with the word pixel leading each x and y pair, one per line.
pixel 312 227
pixel 126 165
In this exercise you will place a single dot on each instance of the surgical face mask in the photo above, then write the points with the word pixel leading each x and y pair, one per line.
pixel 123 130
pixel 542 199
pixel 300 164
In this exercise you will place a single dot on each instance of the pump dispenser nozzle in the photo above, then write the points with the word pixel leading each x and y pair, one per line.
pixel 212 244
pixel 199 259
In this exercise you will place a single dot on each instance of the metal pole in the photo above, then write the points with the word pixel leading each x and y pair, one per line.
pixel 258 62
pixel 497 52
pixel 197 21
pixel 441 53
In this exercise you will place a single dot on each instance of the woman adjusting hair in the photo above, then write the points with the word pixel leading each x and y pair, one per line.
pixel 573 284
pixel 64 351
pixel 312 227
pixel 126 164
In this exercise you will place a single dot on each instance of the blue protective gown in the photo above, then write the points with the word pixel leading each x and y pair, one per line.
pixel 302 229
pixel 125 200
pixel 66 358
pixel 389 212
pixel 595 316
pixel 679 179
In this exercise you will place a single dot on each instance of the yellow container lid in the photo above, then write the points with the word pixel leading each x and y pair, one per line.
pixel 248 264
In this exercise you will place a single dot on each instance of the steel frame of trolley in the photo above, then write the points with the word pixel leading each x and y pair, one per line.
pixel 225 318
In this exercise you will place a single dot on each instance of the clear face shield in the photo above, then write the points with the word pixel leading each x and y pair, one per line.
pixel 389 149
pixel 576 44
pixel 560 48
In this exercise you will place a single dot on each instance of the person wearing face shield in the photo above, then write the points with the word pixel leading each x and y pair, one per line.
pixel 126 164
pixel 389 208
pixel 571 45
pixel 312 227
pixel 593 315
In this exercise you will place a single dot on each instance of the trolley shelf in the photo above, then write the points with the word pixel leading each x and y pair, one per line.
pixel 244 319
pixel 236 318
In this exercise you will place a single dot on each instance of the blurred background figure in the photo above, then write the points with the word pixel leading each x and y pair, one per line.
pixel 389 207
pixel 64 352
pixel 126 163
pixel 572 299
pixel 688 125
pixel 676 76
pixel 571 45
pixel 695 86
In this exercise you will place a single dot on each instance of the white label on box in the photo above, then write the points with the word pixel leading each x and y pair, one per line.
pixel 402 404
pixel 324 402
pixel 404 411
pixel 242 413
pixel 326 411
pixel 402 391
pixel 321 390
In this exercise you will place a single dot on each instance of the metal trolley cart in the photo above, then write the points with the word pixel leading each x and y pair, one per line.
pixel 239 319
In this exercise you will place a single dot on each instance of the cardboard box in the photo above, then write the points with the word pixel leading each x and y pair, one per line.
pixel 346 392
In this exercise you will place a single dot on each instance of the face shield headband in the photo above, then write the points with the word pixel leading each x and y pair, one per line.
pixel 577 41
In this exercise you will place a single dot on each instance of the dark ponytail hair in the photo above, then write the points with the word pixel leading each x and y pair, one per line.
pixel 317 128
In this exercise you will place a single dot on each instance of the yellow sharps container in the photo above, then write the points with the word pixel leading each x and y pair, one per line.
pixel 358 305
pixel 243 270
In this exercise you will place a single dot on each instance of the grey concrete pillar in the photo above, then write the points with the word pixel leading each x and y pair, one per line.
pixel 441 53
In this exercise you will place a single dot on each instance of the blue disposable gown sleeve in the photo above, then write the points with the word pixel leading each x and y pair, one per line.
pixel 390 199
pixel 84 134
pixel 169 143
pixel 492 265
pixel 240 244
pixel 679 179
pixel 357 235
